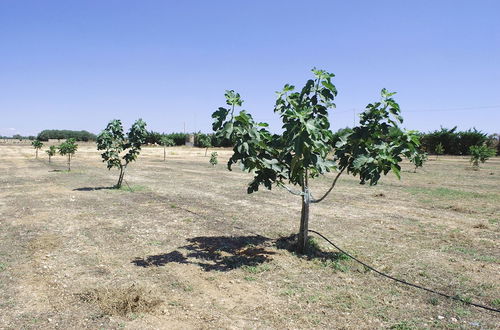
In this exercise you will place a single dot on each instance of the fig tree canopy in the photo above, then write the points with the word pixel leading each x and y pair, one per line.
pixel 307 148
pixel 120 149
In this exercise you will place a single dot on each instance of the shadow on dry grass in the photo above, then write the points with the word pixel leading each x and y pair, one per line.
pixel 225 253
pixel 314 251
pixel 216 253
pixel 93 188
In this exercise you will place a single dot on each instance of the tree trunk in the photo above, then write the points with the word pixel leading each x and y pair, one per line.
pixel 49 159
pixel 36 153
pixel 304 218
pixel 120 178
pixel 69 163
pixel 164 153
pixel 304 226
pixel 206 150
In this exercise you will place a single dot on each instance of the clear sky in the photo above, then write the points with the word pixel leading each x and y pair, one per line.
pixel 78 64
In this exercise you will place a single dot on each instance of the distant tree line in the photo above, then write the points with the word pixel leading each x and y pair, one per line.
pixel 449 141
pixel 47 134
pixel 18 137
pixel 201 140
pixel 456 142
pixel 452 141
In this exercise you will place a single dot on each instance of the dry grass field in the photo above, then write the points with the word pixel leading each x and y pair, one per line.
pixel 183 246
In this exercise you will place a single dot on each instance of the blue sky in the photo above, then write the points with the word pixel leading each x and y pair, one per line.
pixel 78 64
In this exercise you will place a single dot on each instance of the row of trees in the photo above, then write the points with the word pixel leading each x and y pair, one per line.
pixel 450 141
pixel 443 141
pixel 67 148
pixel 47 134
pixel 18 137
pixel 453 142
pixel 201 140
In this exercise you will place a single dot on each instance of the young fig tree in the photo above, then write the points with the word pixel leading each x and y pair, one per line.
pixel 417 158
pixel 204 141
pixel 120 149
pixel 166 142
pixel 439 150
pixel 304 150
pixel 480 154
pixel 37 144
pixel 214 158
pixel 51 152
pixel 68 148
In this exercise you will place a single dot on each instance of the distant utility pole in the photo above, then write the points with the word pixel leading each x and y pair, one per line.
pixel 184 127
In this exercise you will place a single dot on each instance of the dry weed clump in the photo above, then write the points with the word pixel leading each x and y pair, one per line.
pixel 122 301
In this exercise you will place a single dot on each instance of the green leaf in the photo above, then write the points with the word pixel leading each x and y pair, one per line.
pixel 396 170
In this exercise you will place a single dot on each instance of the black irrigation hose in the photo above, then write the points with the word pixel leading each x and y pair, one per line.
pixel 404 282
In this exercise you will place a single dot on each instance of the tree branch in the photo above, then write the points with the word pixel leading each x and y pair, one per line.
pixel 291 191
pixel 329 190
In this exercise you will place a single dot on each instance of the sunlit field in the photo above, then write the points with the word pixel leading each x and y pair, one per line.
pixel 182 245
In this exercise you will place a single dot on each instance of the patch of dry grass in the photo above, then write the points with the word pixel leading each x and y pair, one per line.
pixel 122 301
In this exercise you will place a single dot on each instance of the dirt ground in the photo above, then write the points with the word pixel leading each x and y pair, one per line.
pixel 183 245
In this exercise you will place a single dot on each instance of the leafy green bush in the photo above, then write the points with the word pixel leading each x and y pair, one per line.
pixel 480 154
pixel 213 158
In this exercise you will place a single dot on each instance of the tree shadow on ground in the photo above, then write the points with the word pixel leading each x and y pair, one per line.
pixel 314 251
pixel 219 253
pixel 93 188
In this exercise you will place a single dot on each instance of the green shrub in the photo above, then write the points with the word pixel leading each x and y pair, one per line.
pixel 480 154
pixel 213 158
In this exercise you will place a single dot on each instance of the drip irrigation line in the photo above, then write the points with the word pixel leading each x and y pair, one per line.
pixel 404 282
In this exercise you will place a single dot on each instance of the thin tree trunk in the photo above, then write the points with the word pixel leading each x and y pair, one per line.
pixel 206 150
pixel 164 153
pixel 49 159
pixel 304 217
pixel 69 163
pixel 120 178
pixel 36 153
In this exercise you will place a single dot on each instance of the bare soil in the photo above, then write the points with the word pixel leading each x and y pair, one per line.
pixel 182 245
